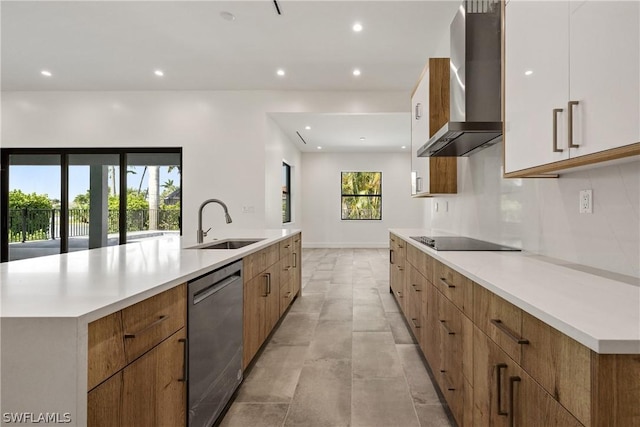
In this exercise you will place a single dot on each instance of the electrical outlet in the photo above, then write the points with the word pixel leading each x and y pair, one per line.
pixel 586 201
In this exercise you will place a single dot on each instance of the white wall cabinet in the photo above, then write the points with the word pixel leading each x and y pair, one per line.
pixel 558 52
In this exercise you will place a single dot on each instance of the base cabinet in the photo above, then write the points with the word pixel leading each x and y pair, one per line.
pixel 150 389
pixel 497 365
pixel 272 279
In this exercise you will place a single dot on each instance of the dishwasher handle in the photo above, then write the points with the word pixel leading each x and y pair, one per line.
pixel 215 287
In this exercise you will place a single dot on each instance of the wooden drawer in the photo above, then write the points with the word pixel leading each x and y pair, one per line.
pixel 398 246
pixel 421 261
pixel 457 342
pixel 106 348
pixel 287 271
pixel 286 247
pixel 286 295
pixel 559 364
pixel 453 285
pixel 500 320
pixel 257 262
pixel 416 289
pixel 149 322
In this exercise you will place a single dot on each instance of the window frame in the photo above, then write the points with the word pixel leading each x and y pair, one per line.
pixel 343 195
pixel 64 153
pixel 286 194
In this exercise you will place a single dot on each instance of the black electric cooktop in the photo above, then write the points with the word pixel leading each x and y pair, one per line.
pixel 457 243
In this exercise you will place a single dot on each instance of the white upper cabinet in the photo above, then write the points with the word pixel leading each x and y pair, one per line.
pixel 536 82
pixel 605 65
pixel 571 80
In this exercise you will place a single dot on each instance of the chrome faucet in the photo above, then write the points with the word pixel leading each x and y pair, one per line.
pixel 203 234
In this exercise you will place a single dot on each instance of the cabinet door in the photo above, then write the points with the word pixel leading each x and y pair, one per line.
pixel 431 331
pixel 254 313
pixel 536 82
pixel 416 288
pixel 272 300
pixel 605 65
pixel 153 386
pixel 103 404
pixel 296 285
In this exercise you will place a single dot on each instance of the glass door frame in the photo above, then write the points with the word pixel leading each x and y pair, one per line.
pixel 64 153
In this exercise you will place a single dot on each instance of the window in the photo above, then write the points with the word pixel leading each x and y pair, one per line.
pixel 286 193
pixel 362 195
pixel 59 200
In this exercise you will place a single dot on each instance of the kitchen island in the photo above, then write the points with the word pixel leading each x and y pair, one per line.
pixel 48 302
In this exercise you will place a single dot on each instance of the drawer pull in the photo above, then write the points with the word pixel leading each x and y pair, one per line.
pixel 150 326
pixel 415 325
pixel 448 385
pixel 512 418
pixel 399 294
pixel 400 268
pixel 415 288
pixel 267 283
pixel 185 363
pixel 447 284
pixel 288 268
pixel 295 260
pixel 508 332
pixel 499 368
pixel 443 323
pixel 287 246
pixel 391 256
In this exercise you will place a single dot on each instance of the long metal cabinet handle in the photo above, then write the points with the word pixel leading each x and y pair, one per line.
pixel 295 260
pixel 390 256
pixel 185 369
pixel 499 368
pixel 508 332
pixel 148 327
pixel 443 323
pixel 555 130
pixel 512 418
pixel 266 284
pixel 570 106
pixel 447 284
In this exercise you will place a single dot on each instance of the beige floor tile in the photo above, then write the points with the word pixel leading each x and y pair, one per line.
pixel 255 415
pixel 308 302
pixel 375 356
pixel 296 329
pixel 332 340
pixel 337 309
pixel 432 416
pixel 420 385
pixel 323 396
pixel 382 402
pixel 401 333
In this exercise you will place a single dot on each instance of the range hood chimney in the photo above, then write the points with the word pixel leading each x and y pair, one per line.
pixel 475 80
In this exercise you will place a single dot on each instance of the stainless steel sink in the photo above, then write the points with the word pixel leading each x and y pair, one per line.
pixel 229 244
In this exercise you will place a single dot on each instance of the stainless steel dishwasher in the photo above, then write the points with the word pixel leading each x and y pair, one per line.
pixel 215 342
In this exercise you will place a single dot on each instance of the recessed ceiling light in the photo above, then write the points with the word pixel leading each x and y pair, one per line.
pixel 357 27
pixel 307 127
pixel 46 73
pixel 403 147
pixel 362 138
pixel 356 72
pixel 227 16
pixel 528 73
pixel 319 148
pixel 280 72
pixel 159 73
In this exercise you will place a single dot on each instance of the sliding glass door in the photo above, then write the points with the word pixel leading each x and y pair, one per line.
pixel 61 200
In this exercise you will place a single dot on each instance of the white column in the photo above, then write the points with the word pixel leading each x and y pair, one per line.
pixel 154 196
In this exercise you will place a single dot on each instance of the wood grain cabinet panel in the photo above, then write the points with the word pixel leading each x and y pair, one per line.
pixel 559 364
pixel 456 287
pixel 106 348
pixel 417 286
pixel 103 405
pixel 148 322
pixel 499 319
pixel 421 261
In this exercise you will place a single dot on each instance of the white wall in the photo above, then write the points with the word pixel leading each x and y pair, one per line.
pixel 230 146
pixel 541 215
pixel 321 199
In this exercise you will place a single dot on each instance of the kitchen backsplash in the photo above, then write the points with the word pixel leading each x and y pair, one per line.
pixel 541 215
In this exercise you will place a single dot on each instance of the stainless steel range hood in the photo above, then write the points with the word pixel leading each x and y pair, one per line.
pixel 475 84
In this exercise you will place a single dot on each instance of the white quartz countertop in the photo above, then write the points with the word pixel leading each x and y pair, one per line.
pixel 599 312
pixel 90 284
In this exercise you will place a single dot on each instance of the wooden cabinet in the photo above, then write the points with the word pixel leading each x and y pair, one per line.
pixel 497 365
pixel 430 111
pixel 397 271
pixel 272 279
pixel 505 395
pixel 137 364
pixel 564 99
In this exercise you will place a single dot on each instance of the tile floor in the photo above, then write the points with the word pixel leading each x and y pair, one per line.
pixel 342 356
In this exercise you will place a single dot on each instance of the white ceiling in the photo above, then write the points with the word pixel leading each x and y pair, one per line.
pixel 116 45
